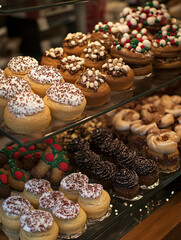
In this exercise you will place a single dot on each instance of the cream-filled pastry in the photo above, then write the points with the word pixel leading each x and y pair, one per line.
pixel 20 66
pixel 11 210
pixel 42 77
pixel 27 113
pixel 94 200
pixel 52 57
pixel 66 101
pixel 2 74
pixel 37 224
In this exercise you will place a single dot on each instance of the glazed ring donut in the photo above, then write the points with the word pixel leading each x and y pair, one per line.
pixel 163 143
pixel 124 119
pixel 155 100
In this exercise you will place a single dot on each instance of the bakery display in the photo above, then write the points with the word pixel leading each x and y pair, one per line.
pixel 52 57
pixel 37 224
pixel 20 66
pixel 66 101
pixel 93 85
pixel 27 113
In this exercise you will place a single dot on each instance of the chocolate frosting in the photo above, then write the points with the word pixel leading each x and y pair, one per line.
pixel 86 158
pixel 144 166
pixel 77 144
pixel 126 178
pixel 99 135
pixel 104 170
pixel 110 147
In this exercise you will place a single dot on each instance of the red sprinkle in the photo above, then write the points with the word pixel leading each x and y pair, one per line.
pixel 48 141
pixel 16 155
pixel 18 175
pixel 49 157
pixel 142 46
pixel 37 154
pixel 9 148
pixel 63 166
pixel 22 149
pixel 31 148
pixel 56 146
pixel 3 178
pixel 28 156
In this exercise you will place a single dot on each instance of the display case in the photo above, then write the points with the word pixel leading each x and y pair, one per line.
pixel 112 227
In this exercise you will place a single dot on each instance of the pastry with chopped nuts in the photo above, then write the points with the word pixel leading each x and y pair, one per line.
pixel 95 55
pixel 42 77
pixel 66 101
pixel 20 66
pixel 166 46
pixel 119 76
pixel 74 43
pixel 94 87
pixel 52 57
pixel 134 48
pixel 71 68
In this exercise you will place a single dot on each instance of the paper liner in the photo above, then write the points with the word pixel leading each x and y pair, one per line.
pixel 94 220
pixel 136 198
pixel 151 186
pixel 143 76
pixel 72 236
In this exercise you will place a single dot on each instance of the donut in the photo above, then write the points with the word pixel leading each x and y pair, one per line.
pixel 66 101
pixel 172 104
pixel 93 85
pixel 20 66
pixel 118 29
pixel 52 57
pixel 119 76
pixel 71 68
pixel 26 113
pixel 42 77
pixel 2 74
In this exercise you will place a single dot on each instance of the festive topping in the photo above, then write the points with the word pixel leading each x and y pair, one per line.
pixel 49 199
pixel 74 181
pixel 116 67
pixel 36 221
pixel 22 64
pixel 3 178
pixel 45 75
pixel 37 186
pixel 66 209
pixel 25 104
pixel 55 53
pixel 91 78
pixel 65 93
pixel 95 51
pixel 72 64
pixel 16 205
pixel 12 86
pixel 75 39
pixel 91 191
pixel 2 75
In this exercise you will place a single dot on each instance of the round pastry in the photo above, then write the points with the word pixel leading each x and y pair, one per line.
pixel 172 104
pixel 27 113
pixel 126 183
pixel 166 47
pixel 155 100
pixel 34 188
pixel 163 149
pixel 119 29
pixel 69 216
pixel 119 76
pixel 71 184
pixel 5 190
pixel 20 66
pixel 94 200
pixel 9 87
pixel 94 55
pixel 42 77
pixel 48 200
pixel 66 101
pixel 71 68
pixel 38 224
pixel 135 50
pixel 103 33
pixel 94 87
pixel 2 74
pixel 11 210
pixel 75 43
pixel 52 57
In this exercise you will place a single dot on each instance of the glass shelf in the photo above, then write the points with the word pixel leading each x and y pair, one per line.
pixel 11 7
pixel 141 88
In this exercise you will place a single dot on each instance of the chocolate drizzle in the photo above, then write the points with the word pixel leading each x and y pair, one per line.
pixel 103 170
pixel 99 135
pixel 144 166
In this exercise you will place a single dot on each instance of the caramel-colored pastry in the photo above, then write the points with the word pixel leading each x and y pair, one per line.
pixel 11 210
pixel 34 188
pixel 172 104
pixel 119 76
pixel 52 57
pixel 134 48
pixel 75 43
pixel 66 101
pixel 163 148
pixel 20 66
pixel 94 200
pixel 42 77
pixel 155 100
pixel 94 87
pixel 26 113
pixel 9 87
pixel 166 47
pixel 69 216
pixel 157 114
pixel 118 29
pixel 36 225
pixel 71 68
pixel 95 55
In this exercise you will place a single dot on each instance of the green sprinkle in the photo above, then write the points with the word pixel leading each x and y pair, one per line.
pixel 157 21
pixel 145 22
pixel 142 50
pixel 135 41
pixel 147 49
pixel 119 47
pixel 176 43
